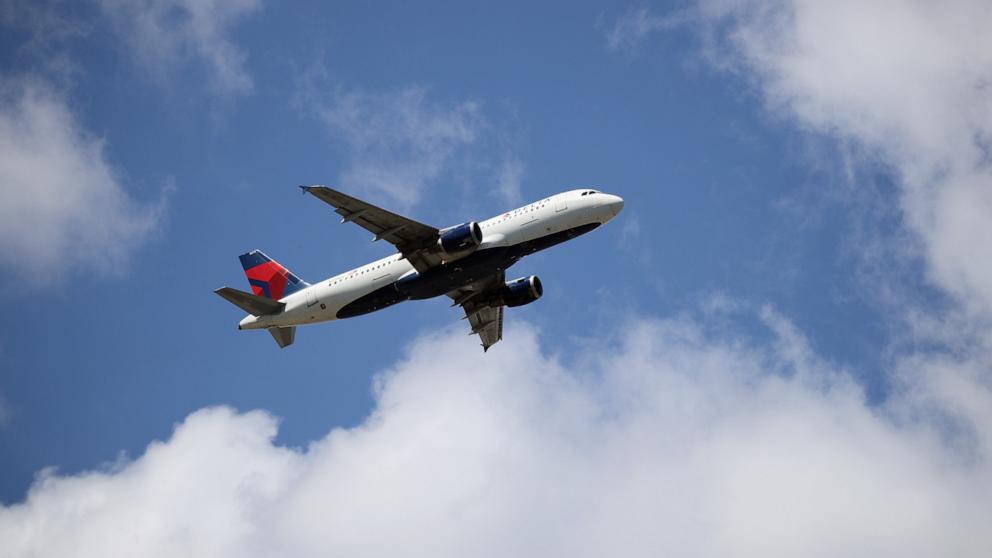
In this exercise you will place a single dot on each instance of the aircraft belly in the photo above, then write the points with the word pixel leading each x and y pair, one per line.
pixel 325 306
pixel 380 298
pixel 453 275
pixel 376 293
pixel 528 247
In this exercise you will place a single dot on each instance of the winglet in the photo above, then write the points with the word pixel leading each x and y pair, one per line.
pixel 305 189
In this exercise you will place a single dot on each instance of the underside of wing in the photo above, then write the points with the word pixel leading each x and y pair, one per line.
pixel 487 323
pixel 484 317
pixel 411 238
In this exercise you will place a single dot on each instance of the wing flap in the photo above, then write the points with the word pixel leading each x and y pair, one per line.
pixel 484 318
pixel 487 323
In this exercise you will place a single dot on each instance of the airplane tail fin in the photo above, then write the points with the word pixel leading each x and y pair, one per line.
pixel 269 279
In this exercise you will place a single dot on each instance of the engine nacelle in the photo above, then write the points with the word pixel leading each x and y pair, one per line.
pixel 521 291
pixel 460 240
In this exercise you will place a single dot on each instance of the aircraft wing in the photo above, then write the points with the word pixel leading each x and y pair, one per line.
pixel 486 319
pixel 411 238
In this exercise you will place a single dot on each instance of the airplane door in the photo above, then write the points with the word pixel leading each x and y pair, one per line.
pixel 561 204
pixel 311 296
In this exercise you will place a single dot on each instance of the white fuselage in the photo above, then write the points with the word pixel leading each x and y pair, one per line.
pixel 321 302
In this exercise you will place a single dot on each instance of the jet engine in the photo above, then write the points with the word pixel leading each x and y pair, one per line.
pixel 521 291
pixel 460 240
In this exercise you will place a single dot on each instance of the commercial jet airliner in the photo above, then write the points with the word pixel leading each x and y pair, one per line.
pixel 466 262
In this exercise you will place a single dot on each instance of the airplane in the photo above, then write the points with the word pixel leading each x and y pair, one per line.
pixel 466 262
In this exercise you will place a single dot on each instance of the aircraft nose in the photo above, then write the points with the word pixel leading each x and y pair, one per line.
pixel 615 203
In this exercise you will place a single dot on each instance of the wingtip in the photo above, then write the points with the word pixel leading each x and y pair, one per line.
pixel 304 189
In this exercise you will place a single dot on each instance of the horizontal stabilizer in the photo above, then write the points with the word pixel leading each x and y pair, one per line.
pixel 253 304
pixel 283 335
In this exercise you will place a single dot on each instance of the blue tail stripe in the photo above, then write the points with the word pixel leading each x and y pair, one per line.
pixel 294 284
pixel 264 285
pixel 253 258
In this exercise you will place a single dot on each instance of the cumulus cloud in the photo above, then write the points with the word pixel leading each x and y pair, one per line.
pixel 909 83
pixel 902 87
pixel 162 34
pixel 670 439
pixel 904 84
pixel 62 204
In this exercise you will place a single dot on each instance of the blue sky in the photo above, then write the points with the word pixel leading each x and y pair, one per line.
pixel 795 213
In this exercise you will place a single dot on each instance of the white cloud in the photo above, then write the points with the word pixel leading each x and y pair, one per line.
pixel 4 411
pixel 49 28
pixel 511 172
pixel 904 83
pixel 670 440
pixel 907 82
pixel 630 29
pixel 631 230
pixel 902 86
pixel 404 143
pixel 162 34
pixel 63 207
pixel 399 143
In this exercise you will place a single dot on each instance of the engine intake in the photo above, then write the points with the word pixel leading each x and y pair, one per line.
pixel 460 240
pixel 521 291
